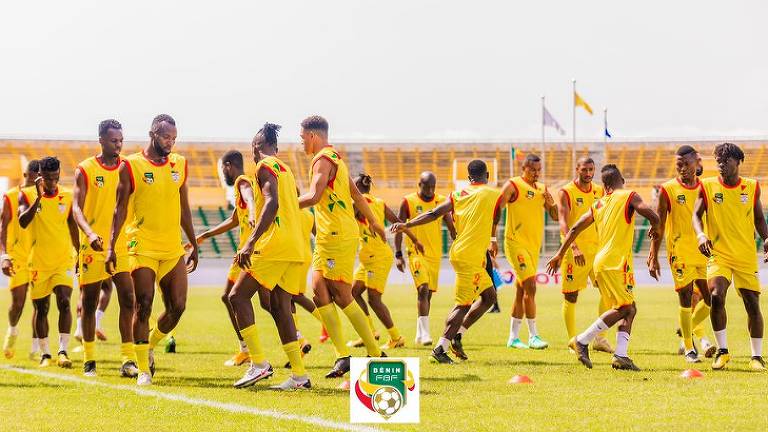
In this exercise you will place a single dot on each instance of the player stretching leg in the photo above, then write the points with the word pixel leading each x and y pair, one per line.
pixel 575 199
pixel 155 180
pixel 474 210
pixel 614 217
pixel 424 267
pixel 45 209
pixel 687 264
pixel 15 244
pixel 335 199
pixel 734 213
pixel 375 262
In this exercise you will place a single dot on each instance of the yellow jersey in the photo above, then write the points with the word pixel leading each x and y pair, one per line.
pixel 18 241
pixel 241 208
pixel 525 216
pixel 307 223
pixel 99 206
pixel 473 211
pixel 372 247
pixel 730 221
pixel 615 223
pixel 334 213
pixel 283 239
pixel 579 203
pixel 154 230
pixel 430 235
pixel 49 230
pixel 681 238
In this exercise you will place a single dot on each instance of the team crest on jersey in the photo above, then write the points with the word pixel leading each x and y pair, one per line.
pixel 579 201
pixel 330 263
pixel 718 198
pixel 419 209
pixel 744 198
pixel 681 199
pixel 62 207
pixel 149 178
pixel 99 181
pixel 521 262
pixel 529 194
pixel 175 176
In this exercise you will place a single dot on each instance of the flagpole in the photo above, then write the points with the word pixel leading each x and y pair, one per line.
pixel 573 107
pixel 605 126
pixel 543 142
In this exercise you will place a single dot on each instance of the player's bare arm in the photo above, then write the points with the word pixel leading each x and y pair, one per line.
pixel 322 171
pixel 448 221
pixel 562 211
pixel 699 208
pixel 550 205
pixel 5 219
pixel 246 194
pixel 79 192
pixel 393 219
pixel 124 191
pixel 662 210
pixel 399 261
pixel 268 183
pixel 227 224
pixel 508 194
pixel 74 233
pixel 187 227
pixel 647 212
pixel 424 218
pixel 583 223
pixel 27 211
pixel 761 226
pixel 362 206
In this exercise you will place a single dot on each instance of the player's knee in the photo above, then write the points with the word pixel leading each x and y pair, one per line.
pixel 488 297
pixel 177 306
pixel 63 305
pixel 571 297
pixel 143 306
pixel 225 298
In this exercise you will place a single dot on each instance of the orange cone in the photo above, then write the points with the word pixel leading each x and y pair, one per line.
pixel 520 379
pixel 691 374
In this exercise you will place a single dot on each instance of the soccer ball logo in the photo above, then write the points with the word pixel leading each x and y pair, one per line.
pixel 387 401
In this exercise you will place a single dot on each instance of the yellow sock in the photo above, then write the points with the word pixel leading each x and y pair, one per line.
pixel 142 357
pixel 357 317
pixel 293 352
pixel 89 351
pixel 685 327
pixel 316 314
pixel 251 337
pixel 127 353
pixel 700 313
pixel 333 328
pixel 370 323
pixel 394 333
pixel 155 336
pixel 569 316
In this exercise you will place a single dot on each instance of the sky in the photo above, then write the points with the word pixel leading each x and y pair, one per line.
pixel 394 70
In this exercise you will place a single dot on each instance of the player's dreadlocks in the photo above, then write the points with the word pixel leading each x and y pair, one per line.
pixel 269 132
pixel 729 150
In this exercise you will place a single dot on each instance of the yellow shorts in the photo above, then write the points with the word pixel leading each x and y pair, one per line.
pixel 303 280
pixel 471 280
pixel 617 286
pixel 374 274
pixel 285 274
pixel 574 277
pixel 524 262
pixel 336 260
pixel 740 279
pixel 160 267
pixel 233 273
pixel 684 274
pixel 43 282
pixel 92 268
pixel 20 274
pixel 424 270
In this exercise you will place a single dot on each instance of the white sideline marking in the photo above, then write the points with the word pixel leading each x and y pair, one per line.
pixel 231 407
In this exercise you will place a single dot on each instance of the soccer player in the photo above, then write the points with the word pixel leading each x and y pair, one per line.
pixel 424 267
pixel 523 234
pixel 15 244
pixel 688 265
pixel 575 199
pixel 474 210
pixel 95 192
pixel 333 195
pixel 45 209
pixel 734 213
pixel 614 217
pixel 375 258
pixel 244 217
pixel 272 257
pixel 155 181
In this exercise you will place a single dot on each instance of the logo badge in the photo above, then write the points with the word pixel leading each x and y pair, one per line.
pixel 330 263
pixel 419 209
pixel 718 198
pixel 529 194
pixel 384 390
pixel 744 198
pixel 681 199
pixel 579 201
pixel 99 181
pixel 149 178
pixel 175 176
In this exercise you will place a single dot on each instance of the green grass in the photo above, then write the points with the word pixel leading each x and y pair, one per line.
pixel 472 395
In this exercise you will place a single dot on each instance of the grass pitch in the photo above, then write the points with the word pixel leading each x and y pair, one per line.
pixel 469 396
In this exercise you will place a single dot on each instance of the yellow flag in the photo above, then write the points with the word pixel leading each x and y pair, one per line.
pixel 578 101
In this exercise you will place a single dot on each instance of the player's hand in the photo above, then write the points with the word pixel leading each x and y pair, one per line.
pixel 379 231
pixel 400 264
pixel 192 260
pixel 110 262
pixel 553 265
pixel 493 249
pixel 397 227
pixel 653 232
pixel 705 246
pixel 419 247
pixel 39 186
pixel 200 239
pixel 243 256
pixel 7 267
pixel 654 269
pixel 96 242
pixel 251 222
pixel 765 251
pixel 548 200
pixel 578 256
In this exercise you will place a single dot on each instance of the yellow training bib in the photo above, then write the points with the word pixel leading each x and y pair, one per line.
pixel 681 238
pixel 334 213
pixel 241 208
pixel 430 235
pixel 49 231
pixel 615 223
pixel 18 241
pixel 579 202
pixel 525 216
pixel 99 206
pixel 373 248
pixel 473 211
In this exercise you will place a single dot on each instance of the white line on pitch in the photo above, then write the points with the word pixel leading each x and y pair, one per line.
pixel 231 407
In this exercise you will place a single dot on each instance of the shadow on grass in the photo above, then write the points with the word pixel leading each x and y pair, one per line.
pixel 464 378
